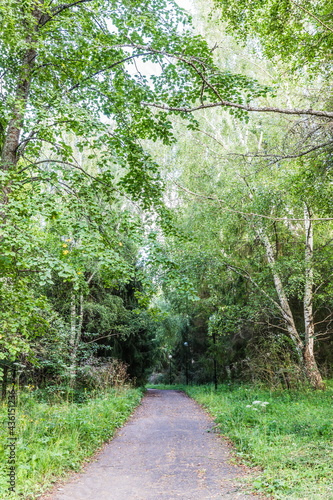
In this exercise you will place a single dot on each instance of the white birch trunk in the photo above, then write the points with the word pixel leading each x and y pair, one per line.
pixel 76 322
pixel 72 341
pixel 75 335
pixel 311 368
pixel 283 300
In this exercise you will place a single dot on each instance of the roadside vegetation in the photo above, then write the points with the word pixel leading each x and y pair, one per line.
pixel 287 434
pixel 57 431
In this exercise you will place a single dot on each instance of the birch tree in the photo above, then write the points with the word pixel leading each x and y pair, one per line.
pixel 250 158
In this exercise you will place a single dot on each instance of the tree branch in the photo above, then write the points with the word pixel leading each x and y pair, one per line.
pixel 266 109
pixel 312 15
pixel 106 69
pixel 278 157
pixel 103 337
pixel 246 275
pixel 65 6
pixel 251 214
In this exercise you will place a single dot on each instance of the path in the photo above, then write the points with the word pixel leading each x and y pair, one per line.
pixel 164 452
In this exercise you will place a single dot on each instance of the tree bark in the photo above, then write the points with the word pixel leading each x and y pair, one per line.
pixel 4 383
pixel 305 350
pixel 76 332
pixel 73 342
pixel 9 153
pixel 283 300
pixel 310 364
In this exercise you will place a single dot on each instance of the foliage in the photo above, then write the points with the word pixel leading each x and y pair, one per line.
pixel 228 182
pixel 300 33
pixel 103 373
pixel 85 163
pixel 72 122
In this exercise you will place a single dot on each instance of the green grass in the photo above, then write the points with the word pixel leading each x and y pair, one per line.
pixel 290 439
pixel 53 439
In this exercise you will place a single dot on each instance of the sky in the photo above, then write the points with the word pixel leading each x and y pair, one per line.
pixel 185 4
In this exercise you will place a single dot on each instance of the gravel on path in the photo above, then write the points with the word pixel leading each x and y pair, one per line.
pixel 167 450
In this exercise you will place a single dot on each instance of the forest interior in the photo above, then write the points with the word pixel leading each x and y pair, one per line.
pixel 166 218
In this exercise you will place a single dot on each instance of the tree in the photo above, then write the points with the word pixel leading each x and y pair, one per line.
pixel 257 214
pixel 69 92
pixel 78 115
pixel 300 33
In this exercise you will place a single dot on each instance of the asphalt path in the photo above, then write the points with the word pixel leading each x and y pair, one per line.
pixel 167 450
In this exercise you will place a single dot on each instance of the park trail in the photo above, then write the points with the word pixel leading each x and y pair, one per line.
pixel 168 450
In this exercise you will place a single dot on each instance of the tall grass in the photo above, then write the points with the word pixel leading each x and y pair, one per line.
pixel 290 437
pixel 53 439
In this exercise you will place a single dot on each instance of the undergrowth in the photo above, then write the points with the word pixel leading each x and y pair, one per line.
pixel 56 434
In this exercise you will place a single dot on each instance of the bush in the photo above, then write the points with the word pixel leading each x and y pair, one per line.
pixel 101 373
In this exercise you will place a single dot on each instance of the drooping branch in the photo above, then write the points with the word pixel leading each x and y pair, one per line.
pixel 279 157
pixel 198 65
pixel 78 84
pixel 45 17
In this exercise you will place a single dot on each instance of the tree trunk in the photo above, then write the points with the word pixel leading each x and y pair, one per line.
pixel 283 300
pixel 9 155
pixel 305 350
pixel 72 342
pixel 10 149
pixel 4 383
pixel 76 332
pixel 310 364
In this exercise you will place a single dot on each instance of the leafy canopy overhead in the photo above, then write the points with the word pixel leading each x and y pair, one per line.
pixel 299 31
pixel 66 66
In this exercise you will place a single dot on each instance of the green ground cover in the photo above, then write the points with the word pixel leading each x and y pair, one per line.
pixel 56 436
pixel 289 434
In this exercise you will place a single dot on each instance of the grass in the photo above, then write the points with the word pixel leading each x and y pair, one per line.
pixel 57 437
pixel 290 438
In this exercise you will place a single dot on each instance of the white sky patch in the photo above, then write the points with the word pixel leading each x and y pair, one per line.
pixel 186 5
pixel 148 68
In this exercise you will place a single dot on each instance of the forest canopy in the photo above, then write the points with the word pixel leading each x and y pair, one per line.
pixel 166 190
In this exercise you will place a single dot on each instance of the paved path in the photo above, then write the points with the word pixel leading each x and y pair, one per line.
pixel 163 452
